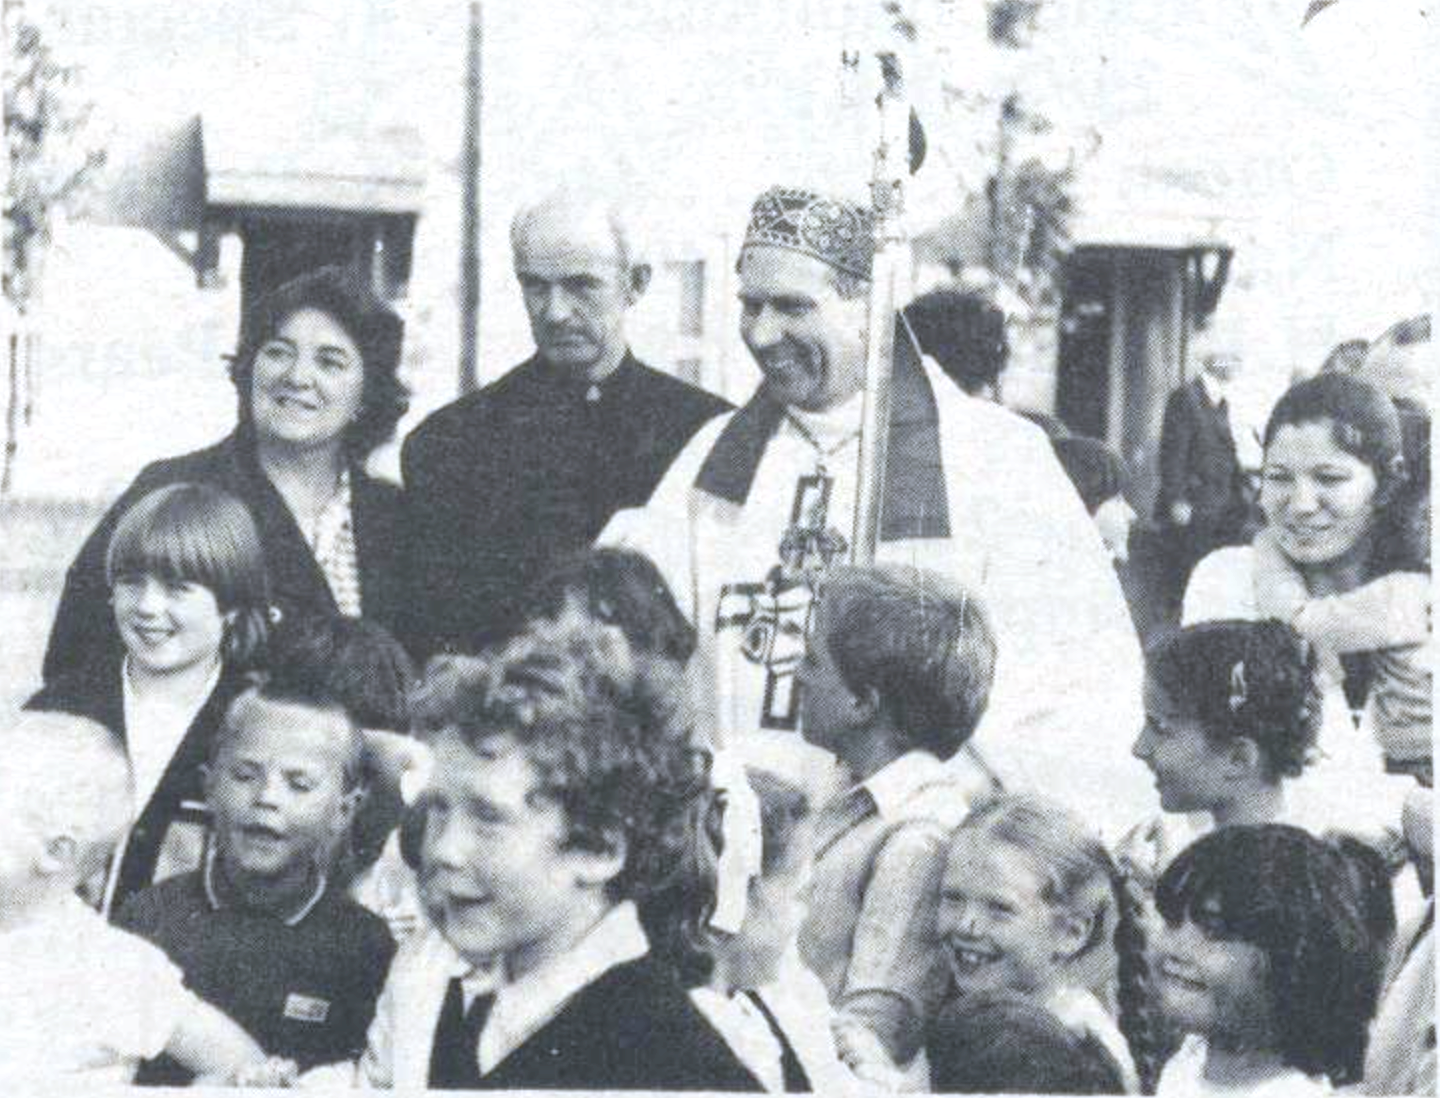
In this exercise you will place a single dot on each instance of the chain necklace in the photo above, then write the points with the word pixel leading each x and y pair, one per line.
pixel 821 452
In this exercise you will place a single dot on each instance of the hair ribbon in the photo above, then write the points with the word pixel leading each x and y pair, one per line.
pixel 1239 691
pixel 741 838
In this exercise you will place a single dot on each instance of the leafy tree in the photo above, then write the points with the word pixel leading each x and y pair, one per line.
pixel 50 160
pixel 50 164
pixel 1030 207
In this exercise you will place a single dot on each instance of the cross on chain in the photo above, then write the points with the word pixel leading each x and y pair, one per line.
pixel 775 615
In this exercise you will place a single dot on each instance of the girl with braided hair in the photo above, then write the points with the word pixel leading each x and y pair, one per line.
pixel 1033 904
pixel 1266 963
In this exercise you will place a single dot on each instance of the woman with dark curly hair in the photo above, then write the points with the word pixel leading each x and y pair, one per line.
pixel 1339 515
pixel 317 378
pixel 1266 963
pixel 562 801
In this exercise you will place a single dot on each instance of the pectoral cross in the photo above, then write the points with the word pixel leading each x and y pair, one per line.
pixel 775 615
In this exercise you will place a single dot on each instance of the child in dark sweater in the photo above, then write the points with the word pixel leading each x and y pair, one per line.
pixel 259 930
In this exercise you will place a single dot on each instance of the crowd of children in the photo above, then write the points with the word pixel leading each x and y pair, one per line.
pixel 265 852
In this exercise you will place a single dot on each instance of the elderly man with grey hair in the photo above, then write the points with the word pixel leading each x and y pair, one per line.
pixel 502 482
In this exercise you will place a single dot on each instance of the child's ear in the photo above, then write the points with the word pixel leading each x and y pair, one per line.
pixel 351 801
pixel 1243 756
pixel 1072 931
pixel 867 705
pixel 597 868
pixel 638 281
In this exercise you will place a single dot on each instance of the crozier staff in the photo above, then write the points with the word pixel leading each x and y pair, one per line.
pixel 316 377
pixel 762 498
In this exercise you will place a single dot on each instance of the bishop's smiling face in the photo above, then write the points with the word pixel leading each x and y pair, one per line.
pixel 807 339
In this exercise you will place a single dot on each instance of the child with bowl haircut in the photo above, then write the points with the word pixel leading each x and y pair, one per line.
pixel 561 798
pixel 262 930
pixel 190 597
pixel 1265 962
pixel 896 676
pixel 81 1003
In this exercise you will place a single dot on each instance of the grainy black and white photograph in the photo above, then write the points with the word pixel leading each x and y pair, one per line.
pixel 860 547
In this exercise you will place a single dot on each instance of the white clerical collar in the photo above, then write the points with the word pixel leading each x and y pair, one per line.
pixel 527 1005
pixel 895 784
pixel 830 426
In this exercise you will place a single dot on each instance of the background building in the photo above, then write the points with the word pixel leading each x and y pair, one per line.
pixel 246 141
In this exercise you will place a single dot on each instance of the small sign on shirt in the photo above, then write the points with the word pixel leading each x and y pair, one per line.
pixel 306 1008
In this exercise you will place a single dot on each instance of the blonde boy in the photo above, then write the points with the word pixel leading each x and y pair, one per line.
pixel 81 1001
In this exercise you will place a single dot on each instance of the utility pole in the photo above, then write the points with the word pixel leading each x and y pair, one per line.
pixel 468 380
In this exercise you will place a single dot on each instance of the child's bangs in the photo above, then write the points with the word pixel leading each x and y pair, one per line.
pixel 174 551
pixel 1221 895
pixel 190 534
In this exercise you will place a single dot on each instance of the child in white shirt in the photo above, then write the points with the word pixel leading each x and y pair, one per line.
pixel 79 999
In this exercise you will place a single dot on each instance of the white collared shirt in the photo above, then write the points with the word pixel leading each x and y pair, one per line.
pixel 525 1006
pixel 896 785
pixel 746 1031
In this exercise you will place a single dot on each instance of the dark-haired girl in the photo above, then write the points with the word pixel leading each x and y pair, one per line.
pixel 1266 963
pixel 1232 712
pixel 1335 497
pixel 316 374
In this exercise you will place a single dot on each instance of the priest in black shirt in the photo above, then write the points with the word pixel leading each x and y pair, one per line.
pixel 501 482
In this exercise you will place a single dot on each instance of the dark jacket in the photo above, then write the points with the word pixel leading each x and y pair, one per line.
pixel 1198 464
pixel 633 1029
pixel 84 627
pixel 501 483
pixel 97 692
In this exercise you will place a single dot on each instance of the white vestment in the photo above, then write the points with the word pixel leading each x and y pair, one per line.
pixel 1066 704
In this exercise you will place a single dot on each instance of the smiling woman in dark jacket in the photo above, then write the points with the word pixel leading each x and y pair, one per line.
pixel 316 375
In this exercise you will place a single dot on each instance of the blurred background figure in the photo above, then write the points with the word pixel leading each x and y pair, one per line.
pixel 1202 504
pixel 1099 477
pixel 965 333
